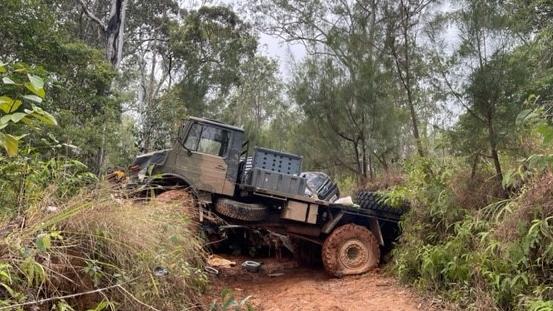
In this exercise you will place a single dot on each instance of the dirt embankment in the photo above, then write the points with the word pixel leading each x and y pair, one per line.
pixel 282 285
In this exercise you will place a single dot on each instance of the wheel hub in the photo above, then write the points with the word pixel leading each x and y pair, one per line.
pixel 353 254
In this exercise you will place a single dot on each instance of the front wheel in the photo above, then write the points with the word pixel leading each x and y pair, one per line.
pixel 350 249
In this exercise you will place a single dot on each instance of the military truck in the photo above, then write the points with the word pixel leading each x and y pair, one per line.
pixel 268 190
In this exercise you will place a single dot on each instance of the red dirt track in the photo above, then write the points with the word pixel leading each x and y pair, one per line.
pixel 300 288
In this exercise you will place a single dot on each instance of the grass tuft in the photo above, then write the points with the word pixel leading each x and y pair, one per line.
pixel 120 253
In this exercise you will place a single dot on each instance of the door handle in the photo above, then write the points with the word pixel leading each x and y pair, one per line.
pixel 220 167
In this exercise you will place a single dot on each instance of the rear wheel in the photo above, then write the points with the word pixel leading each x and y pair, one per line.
pixel 240 210
pixel 350 249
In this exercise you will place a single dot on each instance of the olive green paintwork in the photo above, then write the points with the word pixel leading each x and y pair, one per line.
pixel 205 172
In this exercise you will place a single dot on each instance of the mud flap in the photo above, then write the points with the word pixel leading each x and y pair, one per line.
pixel 331 223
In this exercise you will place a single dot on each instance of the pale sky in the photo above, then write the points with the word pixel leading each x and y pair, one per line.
pixel 289 54
pixel 286 54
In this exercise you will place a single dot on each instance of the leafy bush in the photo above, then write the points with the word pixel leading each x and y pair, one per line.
pixel 494 256
pixel 19 104
pixel 26 178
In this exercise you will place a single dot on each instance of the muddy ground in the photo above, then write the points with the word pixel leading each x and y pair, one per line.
pixel 283 285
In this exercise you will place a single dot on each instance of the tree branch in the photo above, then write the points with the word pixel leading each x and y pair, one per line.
pixel 92 16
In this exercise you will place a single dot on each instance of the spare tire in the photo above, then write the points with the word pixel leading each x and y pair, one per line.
pixel 375 201
pixel 241 211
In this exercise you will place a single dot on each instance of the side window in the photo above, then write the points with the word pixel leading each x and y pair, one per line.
pixel 193 137
pixel 208 139
pixel 214 141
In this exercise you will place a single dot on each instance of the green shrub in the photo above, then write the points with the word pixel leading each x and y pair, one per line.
pixel 500 255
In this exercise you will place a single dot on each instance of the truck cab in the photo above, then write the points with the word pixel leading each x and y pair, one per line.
pixel 206 156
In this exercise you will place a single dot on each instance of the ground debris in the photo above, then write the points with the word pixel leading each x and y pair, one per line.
pixel 220 262
pixel 282 285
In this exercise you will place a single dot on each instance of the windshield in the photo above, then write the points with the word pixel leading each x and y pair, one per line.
pixel 182 131
pixel 207 139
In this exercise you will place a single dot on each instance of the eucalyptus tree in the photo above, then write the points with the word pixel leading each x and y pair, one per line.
pixel 258 101
pixel 405 22
pixel 112 27
pixel 200 59
pixel 345 42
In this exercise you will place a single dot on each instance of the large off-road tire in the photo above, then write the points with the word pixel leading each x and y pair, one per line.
pixel 375 202
pixel 241 211
pixel 350 249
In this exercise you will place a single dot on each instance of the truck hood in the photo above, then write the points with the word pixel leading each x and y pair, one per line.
pixel 155 157
pixel 144 161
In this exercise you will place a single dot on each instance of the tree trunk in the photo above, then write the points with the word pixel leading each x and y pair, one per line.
pixel 406 18
pixel 115 31
pixel 358 161
pixel 414 121
pixel 474 166
pixel 493 151
pixel 371 172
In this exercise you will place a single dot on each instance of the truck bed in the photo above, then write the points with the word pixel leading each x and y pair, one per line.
pixel 363 212
pixel 380 214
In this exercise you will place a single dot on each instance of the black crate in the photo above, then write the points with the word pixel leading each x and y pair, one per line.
pixel 277 182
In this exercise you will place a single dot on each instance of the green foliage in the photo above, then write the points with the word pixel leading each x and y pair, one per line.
pixel 532 123
pixel 24 179
pixel 497 253
pixel 257 104
pixel 211 45
pixel 539 305
pixel 18 106
pixel 78 74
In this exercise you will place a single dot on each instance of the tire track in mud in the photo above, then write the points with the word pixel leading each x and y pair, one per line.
pixel 301 288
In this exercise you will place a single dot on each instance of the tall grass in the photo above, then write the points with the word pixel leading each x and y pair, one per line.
pixel 101 251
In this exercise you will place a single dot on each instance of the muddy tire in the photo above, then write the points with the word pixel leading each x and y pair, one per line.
pixel 350 249
pixel 241 211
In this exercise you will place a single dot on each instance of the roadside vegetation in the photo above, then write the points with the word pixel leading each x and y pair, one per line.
pixel 98 251
pixel 464 240
pixel 447 104
pixel 71 242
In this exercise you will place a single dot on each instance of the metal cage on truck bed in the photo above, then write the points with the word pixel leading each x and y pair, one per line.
pixel 276 171
pixel 277 161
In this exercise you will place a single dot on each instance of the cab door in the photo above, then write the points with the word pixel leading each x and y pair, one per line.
pixel 201 158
